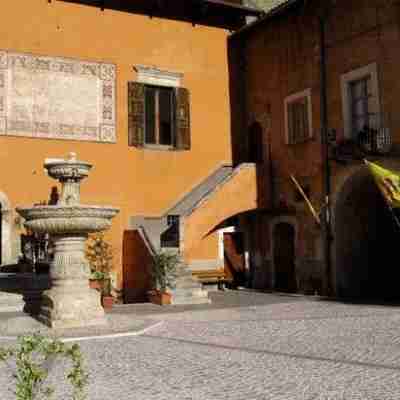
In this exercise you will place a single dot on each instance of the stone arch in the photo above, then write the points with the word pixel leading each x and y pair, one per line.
pixel 275 222
pixel 6 230
pixel 365 237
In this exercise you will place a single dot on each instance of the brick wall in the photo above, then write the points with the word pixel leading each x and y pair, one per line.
pixel 280 57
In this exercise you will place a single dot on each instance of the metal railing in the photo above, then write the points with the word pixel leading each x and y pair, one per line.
pixel 375 138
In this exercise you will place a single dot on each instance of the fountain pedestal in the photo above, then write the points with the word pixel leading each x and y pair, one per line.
pixel 69 302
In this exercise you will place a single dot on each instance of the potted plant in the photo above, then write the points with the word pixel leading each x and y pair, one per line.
pixel 164 272
pixel 99 253
pixel 96 280
pixel 107 300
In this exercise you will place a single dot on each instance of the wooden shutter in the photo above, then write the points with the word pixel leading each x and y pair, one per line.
pixel 182 119
pixel 136 114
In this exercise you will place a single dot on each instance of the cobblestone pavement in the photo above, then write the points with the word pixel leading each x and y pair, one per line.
pixel 272 347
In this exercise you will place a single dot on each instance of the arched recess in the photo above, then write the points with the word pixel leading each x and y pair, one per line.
pixel 236 195
pixel 5 226
pixel 365 240
pixel 291 223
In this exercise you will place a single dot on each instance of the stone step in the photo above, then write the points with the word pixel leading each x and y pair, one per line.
pixel 185 280
pixel 188 285
pixel 190 293
pixel 11 302
pixel 190 300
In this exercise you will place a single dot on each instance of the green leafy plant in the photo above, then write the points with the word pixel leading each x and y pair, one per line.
pixel 164 271
pixel 33 357
pixel 100 255
pixel 97 275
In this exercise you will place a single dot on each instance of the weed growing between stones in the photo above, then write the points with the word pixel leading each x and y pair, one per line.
pixel 33 357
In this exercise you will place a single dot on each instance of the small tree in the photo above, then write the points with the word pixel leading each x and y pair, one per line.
pixel 164 271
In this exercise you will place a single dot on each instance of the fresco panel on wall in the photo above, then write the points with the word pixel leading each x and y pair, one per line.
pixel 56 98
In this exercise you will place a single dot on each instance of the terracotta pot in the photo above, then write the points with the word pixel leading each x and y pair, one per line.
pixel 107 302
pixel 96 284
pixel 160 298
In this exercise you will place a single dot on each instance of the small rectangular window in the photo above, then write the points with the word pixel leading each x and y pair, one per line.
pixel 159 116
pixel 360 111
pixel 298 117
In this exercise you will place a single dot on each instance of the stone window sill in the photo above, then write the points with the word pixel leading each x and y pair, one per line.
pixel 158 147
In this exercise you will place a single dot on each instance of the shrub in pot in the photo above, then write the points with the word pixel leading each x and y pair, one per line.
pixel 164 273
pixel 107 300
pixel 99 254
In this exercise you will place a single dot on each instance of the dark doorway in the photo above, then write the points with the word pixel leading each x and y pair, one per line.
pixel 366 240
pixel 234 259
pixel 255 143
pixel 284 257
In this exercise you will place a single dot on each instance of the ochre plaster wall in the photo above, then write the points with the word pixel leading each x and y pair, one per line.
pixel 237 195
pixel 138 181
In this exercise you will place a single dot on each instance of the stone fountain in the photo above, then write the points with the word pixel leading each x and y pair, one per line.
pixel 69 302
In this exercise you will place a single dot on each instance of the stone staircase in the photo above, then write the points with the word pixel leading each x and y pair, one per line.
pixel 188 289
pixel 156 226
pixel 10 299
pixel 11 302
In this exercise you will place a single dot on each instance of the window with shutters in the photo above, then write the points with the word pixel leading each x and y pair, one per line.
pixel 158 110
pixel 298 117
pixel 159 116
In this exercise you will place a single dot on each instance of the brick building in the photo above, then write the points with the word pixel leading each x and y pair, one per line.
pixel 275 66
pixel 140 90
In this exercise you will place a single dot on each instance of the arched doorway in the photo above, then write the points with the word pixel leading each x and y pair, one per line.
pixel 366 240
pixel 284 257
pixel 255 143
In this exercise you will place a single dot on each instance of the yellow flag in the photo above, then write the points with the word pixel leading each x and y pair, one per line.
pixel 388 182
pixel 308 202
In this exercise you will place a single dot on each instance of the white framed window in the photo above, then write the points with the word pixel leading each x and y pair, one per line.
pixel 360 100
pixel 298 117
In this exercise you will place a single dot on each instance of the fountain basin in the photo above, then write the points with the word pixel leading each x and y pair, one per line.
pixel 67 169
pixel 82 219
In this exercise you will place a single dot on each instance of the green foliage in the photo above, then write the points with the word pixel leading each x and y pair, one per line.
pixel 34 356
pixel 164 271
pixel 97 275
pixel 100 255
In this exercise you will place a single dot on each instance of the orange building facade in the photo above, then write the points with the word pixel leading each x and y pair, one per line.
pixel 67 70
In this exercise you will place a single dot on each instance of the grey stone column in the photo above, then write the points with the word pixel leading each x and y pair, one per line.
pixel 70 302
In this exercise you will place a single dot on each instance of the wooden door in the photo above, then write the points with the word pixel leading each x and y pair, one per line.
pixel 136 263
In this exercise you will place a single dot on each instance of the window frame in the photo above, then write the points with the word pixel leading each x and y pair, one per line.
pixel 159 145
pixel 292 99
pixel 156 77
pixel 347 79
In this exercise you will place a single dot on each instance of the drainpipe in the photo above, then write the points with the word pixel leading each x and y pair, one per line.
pixel 326 212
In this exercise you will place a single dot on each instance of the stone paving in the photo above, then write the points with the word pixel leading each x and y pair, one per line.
pixel 256 347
